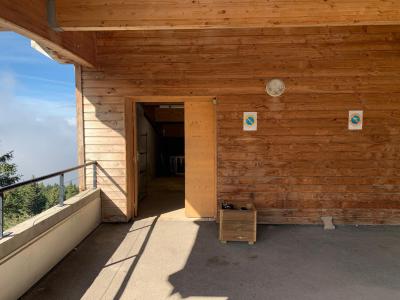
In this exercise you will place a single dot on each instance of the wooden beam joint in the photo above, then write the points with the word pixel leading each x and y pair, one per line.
pixel 51 15
pixel 31 19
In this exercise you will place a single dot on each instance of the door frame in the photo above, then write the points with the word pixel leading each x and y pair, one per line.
pixel 131 143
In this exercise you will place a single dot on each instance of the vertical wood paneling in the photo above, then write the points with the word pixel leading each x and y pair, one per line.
pixel 79 125
pixel 200 159
pixel 130 120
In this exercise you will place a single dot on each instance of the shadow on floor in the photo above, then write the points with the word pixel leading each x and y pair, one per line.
pixel 294 262
pixel 155 259
pixel 73 277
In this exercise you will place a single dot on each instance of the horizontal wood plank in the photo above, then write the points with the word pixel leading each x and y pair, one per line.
pixel 178 14
pixel 303 162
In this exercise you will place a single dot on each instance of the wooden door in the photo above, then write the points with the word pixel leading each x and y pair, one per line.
pixel 200 140
pixel 136 162
pixel 131 163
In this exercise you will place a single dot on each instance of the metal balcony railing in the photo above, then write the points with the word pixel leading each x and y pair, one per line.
pixel 62 187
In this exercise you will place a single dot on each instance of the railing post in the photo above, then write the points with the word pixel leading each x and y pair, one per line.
pixel 95 176
pixel 1 214
pixel 62 190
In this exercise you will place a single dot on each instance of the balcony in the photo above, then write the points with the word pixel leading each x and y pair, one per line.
pixel 167 256
pixel 66 252
pixel 159 258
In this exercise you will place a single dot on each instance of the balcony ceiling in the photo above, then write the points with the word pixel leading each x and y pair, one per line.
pixel 72 15
pixel 30 19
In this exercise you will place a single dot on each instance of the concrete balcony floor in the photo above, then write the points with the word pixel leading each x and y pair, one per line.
pixel 165 256
pixel 154 258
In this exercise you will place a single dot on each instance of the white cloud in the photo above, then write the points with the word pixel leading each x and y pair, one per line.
pixel 7 81
pixel 71 122
pixel 37 78
pixel 18 59
pixel 42 133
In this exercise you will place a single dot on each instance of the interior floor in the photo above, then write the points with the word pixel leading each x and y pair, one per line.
pixel 161 160
pixel 165 198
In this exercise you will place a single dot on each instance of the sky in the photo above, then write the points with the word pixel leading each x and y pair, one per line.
pixel 37 108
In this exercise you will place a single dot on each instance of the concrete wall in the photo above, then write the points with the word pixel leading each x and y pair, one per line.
pixel 37 245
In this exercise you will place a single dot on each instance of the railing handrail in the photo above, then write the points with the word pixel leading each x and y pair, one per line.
pixel 41 178
pixel 33 180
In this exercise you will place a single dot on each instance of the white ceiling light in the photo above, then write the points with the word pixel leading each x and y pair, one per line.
pixel 275 87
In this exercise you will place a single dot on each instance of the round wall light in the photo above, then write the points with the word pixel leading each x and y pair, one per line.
pixel 275 87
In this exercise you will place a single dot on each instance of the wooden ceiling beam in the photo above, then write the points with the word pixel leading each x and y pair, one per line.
pixel 78 15
pixel 29 18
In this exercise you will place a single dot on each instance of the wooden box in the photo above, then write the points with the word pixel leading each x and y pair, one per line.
pixel 238 224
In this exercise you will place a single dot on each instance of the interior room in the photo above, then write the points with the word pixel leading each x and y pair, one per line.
pixel 161 158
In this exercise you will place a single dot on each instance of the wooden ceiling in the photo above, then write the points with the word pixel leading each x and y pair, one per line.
pixel 194 14
pixel 44 21
pixel 29 18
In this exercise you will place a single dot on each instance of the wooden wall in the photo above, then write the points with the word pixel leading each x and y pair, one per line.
pixel 104 131
pixel 302 162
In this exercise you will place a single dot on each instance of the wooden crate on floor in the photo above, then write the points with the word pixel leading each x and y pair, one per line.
pixel 238 224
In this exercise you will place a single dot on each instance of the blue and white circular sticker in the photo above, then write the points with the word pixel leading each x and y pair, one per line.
pixel 249 121
pixel 355 119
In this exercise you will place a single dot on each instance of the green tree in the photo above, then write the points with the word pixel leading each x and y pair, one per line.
pixel 15 207
pixel 8 170
pixel 35 201
pixel 71 190
pixel 8 176
pixel 28 200
pixel 51 192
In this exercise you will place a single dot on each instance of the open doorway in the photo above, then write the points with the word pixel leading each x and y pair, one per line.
pixel 173 171
pixel 160 150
